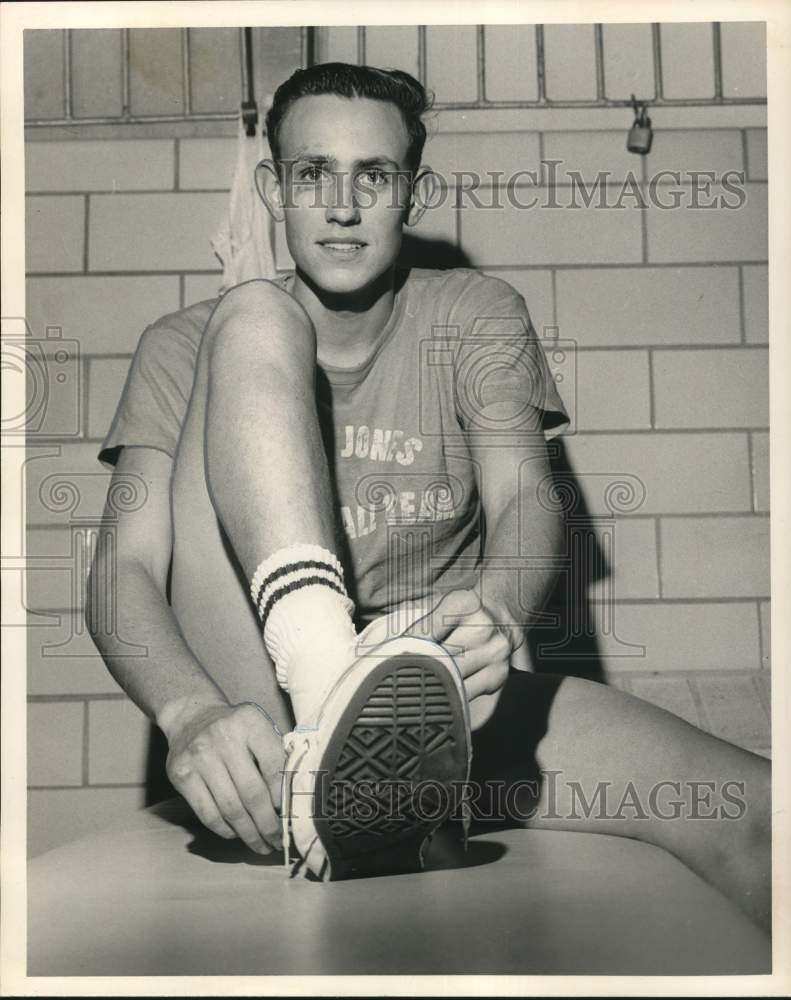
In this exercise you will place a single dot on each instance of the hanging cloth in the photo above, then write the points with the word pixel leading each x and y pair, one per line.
pixel 245 241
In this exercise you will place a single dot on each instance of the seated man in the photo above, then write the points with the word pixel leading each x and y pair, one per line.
pixel 356 395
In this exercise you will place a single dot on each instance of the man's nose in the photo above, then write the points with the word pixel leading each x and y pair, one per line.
pixel 343 207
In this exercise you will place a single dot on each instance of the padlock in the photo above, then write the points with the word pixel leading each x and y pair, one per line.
pixel 640 136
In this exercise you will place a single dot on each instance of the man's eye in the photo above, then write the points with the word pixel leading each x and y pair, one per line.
pixel 310 173
pixel 375 176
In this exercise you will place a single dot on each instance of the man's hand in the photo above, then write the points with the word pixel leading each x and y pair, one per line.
pixel 480 648
pixel 227 762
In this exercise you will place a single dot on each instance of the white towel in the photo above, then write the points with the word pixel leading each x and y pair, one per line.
pixel 244 242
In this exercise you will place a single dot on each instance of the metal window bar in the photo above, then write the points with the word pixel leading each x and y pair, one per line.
pixel 186 73
pixel 67 113
pixel 308 51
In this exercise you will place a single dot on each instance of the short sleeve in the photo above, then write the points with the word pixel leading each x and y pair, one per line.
pixel 500 360
pixel 158 385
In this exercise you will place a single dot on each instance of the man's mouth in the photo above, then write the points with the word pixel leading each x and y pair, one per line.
pixel 342 246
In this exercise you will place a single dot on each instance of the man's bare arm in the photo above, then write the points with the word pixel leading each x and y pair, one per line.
pixel 484 626
pixel 168 682
pixel 519 527
pixel 218 752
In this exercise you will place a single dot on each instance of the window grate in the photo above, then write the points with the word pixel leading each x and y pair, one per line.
pixel 308 46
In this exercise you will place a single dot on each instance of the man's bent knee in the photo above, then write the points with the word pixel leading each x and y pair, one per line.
pixel 259 322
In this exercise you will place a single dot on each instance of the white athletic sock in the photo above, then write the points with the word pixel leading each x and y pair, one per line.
pixel 306 616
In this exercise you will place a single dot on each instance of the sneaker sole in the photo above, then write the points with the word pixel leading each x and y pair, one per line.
pixel 384 782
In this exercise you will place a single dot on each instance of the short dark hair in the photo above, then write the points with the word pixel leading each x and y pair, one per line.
pixel 348 80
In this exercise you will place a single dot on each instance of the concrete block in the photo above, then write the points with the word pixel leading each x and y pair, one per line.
pixel 54 233
pixel 679 473
pixel 118 741
pixel 51 587
pixel 530 229
pixel 757 155
pixel 76 464
pixel 62 659
pixel 688 637
pixel 649 305
pixel 633 563
pixel 756 303
pixel 54 743
pixel 106 382
pixel 208 164
pixel 711 388
pixel 708 234
pixel 535 287
pixel 198 287
pixel 105 315
pixel 587 155
pixel 99 165
pixel 161 232
pixel 760 449
pixel 613 390
pixel 765 614
pixel 683 151
pixel 491 158
pixel 715 557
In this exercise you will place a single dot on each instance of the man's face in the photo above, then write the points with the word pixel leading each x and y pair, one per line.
pixel 345 188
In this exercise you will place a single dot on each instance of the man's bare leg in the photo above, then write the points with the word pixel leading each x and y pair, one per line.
pixel 571 742
pixel 265 463
pixel 268 478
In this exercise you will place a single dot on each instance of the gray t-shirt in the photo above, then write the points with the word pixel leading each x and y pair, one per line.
pixel 393 426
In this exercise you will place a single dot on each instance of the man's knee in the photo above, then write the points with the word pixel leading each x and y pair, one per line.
pixel 259 323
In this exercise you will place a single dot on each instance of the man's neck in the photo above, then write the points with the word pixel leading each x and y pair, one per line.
pixel 347 326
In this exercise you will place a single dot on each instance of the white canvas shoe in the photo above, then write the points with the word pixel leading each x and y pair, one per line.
pixel 368 782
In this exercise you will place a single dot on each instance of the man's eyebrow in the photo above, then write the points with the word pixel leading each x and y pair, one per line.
pixel 378 161
pixel 307 156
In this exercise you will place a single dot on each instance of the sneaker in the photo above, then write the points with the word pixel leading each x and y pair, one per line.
pixel 368 783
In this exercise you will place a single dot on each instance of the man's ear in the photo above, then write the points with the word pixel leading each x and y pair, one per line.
pixel 424 191
pixel 267 183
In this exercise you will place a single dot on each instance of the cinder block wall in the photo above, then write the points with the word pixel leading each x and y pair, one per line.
pixel 667 311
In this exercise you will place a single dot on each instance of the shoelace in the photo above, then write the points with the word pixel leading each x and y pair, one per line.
pixel 289 745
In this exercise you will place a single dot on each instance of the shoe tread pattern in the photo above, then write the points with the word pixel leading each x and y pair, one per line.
pixel 408 729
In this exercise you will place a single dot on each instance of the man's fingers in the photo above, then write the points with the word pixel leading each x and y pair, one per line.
pixel 476 658
pixel 271 761
pixel 192 786
pixel 224 792
pixel 254 796
pixel 488 680
pixel 452 608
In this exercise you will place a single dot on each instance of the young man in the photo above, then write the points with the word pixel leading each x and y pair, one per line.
pixel 410 409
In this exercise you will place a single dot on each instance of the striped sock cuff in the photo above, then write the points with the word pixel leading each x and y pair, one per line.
pixel 290 569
